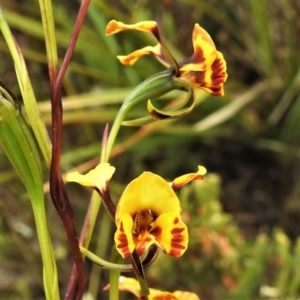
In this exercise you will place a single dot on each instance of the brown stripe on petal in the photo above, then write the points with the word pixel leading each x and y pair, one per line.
pixel 196 62
pixel 198 57
pixel 177 246
pixel 219 74
pixel 157 231
pixel 177 231
pixel 122 244
pixel 196 78
pixel 216 76
pixel 211 80
pixel 178 241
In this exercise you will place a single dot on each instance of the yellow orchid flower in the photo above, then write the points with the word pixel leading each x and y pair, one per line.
pixel 149 213
pixel 131 285
pixel 205 69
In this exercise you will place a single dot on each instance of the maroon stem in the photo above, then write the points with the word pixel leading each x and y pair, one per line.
pixel 57 188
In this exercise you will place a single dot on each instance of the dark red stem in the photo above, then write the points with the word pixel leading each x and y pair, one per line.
pixel 57 188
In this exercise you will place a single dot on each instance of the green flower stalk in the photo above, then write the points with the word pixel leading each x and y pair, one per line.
pixel 21 150
pixel 155 86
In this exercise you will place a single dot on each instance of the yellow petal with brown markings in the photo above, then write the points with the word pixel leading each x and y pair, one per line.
pixel 123 236
pixel 171 234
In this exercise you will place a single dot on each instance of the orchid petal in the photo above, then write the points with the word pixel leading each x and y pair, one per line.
pixel 123 236
pixel 184 179
pixel 212 79
pixel 114 27
pixel 171 234
pixel 96 178
pixel 156 51
pixel 204 54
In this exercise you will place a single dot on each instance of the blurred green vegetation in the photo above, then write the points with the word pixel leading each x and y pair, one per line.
pixel 244 218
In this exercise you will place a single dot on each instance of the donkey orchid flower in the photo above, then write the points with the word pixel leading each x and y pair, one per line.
pixel 149 213
pixel 205 69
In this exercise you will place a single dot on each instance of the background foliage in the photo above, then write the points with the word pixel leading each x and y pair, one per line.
pixel 244 218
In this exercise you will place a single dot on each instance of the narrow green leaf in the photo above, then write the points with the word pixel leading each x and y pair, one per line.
pixel 21 150
pixel 37 124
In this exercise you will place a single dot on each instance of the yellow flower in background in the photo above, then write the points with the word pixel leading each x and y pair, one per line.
pixel 149 213
pixel 205 69
pixel 131 285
